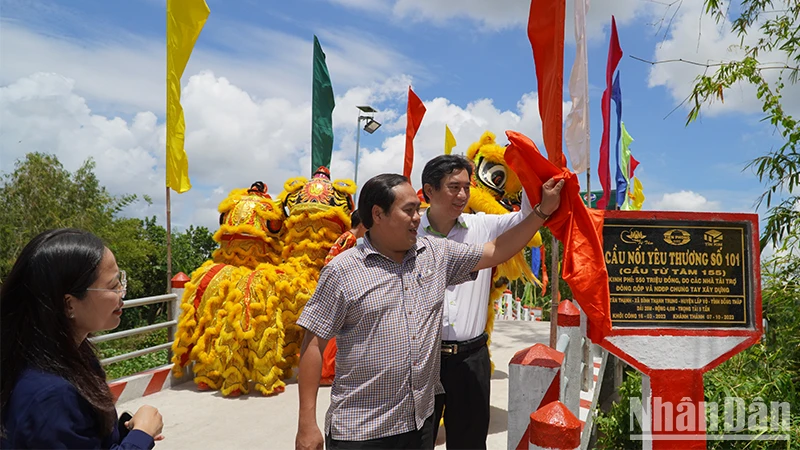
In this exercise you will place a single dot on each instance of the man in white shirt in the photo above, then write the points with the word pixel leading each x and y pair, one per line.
pixel 465 365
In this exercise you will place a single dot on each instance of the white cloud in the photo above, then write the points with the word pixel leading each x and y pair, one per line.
pixel 694 36
pixel 233 138
pixel 117 71
pixel 500 14
pixel 683 201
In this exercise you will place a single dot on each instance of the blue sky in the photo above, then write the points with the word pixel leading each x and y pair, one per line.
pixel 86 79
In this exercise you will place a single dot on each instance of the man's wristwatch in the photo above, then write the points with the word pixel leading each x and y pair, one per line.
pixel 538 211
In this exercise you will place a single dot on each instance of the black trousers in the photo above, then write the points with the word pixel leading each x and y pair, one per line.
pixel 418 439
pixel 467 381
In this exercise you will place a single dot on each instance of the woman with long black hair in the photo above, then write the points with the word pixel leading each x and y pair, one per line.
pixel 64 286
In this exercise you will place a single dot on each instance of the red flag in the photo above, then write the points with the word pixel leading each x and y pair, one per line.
pixel 578 228
pixel 414 113
pixel 544 273
pixel 546 33
pixel 603 170
pixel 633 165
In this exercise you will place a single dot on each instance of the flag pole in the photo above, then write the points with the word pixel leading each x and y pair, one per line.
pixel 169 243
pixel 554 252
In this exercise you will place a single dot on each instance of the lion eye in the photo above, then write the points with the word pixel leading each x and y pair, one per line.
pixel 492 174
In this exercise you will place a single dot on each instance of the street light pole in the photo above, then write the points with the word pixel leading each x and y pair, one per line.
pixel 370 128
pixel 358 144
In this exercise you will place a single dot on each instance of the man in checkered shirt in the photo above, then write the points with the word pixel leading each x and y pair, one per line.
pixel 383 302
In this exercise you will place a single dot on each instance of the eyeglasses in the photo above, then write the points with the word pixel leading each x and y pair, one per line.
pixel 123 282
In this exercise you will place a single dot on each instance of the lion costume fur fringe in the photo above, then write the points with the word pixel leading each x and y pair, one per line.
pixel 239 311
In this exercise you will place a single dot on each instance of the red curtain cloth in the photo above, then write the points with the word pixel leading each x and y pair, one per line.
pixel 578 228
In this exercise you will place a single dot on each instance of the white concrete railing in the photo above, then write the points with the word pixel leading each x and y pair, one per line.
pixel 540 375
pixel 508 308
pixel 577 370
pixel 173 312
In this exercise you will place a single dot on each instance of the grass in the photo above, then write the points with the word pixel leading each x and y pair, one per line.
pixel 130 344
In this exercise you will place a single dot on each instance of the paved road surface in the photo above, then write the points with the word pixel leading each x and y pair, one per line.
pixel 206 420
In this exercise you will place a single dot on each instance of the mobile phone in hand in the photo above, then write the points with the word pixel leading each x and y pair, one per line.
pixel 123 430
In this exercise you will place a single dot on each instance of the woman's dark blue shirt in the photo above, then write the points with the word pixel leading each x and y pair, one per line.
pixel 46 411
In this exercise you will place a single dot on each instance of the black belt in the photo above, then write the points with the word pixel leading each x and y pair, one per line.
pixel 456 347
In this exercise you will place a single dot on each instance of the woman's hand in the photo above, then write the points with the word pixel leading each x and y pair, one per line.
pixel 149 420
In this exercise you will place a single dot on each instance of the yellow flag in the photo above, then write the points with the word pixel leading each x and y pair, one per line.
pixel 185 20
pixel 449 140
pixel 637 197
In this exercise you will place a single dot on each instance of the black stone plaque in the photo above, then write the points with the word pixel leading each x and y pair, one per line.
pixel 676 273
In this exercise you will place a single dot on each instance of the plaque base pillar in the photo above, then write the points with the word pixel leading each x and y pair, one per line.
pixel 677 418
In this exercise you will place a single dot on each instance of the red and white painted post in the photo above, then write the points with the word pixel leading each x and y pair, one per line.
pixel 174 311
pixel 508 300
pixel 533 380
pixel 569 325
pixel 554 427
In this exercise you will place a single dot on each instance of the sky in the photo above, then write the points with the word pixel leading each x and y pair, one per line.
pixel 86 79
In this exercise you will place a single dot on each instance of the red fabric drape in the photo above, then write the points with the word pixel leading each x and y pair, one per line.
pixel 414 113
pixel 603 170
pixel 578 228
pixel 546 33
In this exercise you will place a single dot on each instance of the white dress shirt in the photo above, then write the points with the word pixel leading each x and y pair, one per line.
pixel 466 305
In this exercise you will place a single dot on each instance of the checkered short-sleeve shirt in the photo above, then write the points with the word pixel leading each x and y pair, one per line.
pixel 387 319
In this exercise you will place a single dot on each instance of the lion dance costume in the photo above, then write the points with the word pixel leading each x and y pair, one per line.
pixel 239 311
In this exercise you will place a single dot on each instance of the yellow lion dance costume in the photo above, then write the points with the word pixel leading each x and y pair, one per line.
pixel 239 312
pixel 496 189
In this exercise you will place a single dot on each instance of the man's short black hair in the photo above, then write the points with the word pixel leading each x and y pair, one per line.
pixel 442 165
pixel 355 219
pixel 378 191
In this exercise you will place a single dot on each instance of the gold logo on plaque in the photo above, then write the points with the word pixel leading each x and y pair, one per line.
pixel 713 238
pixel 677 237
pixel 633 237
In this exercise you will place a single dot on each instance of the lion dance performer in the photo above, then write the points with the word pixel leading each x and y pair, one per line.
pixel 238 321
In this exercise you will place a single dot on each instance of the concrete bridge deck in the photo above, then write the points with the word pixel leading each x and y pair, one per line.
pixel 206 420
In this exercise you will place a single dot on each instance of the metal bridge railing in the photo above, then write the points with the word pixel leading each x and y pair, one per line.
pixel 173 310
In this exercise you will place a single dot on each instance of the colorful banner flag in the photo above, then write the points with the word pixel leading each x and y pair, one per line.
pixel 449 140
pixel 637 197
pixel 415 111
pixel 634 165
pixel 536 260
pixel 577 227
pixel 546 33
pixel 322 104
pixel 576 134
pixel 624 166
pixel 603 170
pixel 185 21
pixel 620 176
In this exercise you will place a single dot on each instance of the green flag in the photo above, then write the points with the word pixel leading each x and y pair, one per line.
pixel 322 105
pixel 624 164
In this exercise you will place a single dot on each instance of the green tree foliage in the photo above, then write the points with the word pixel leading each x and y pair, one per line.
pixel 40 194
pixel 777 30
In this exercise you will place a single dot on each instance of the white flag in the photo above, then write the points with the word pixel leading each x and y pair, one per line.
pixel 576 134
